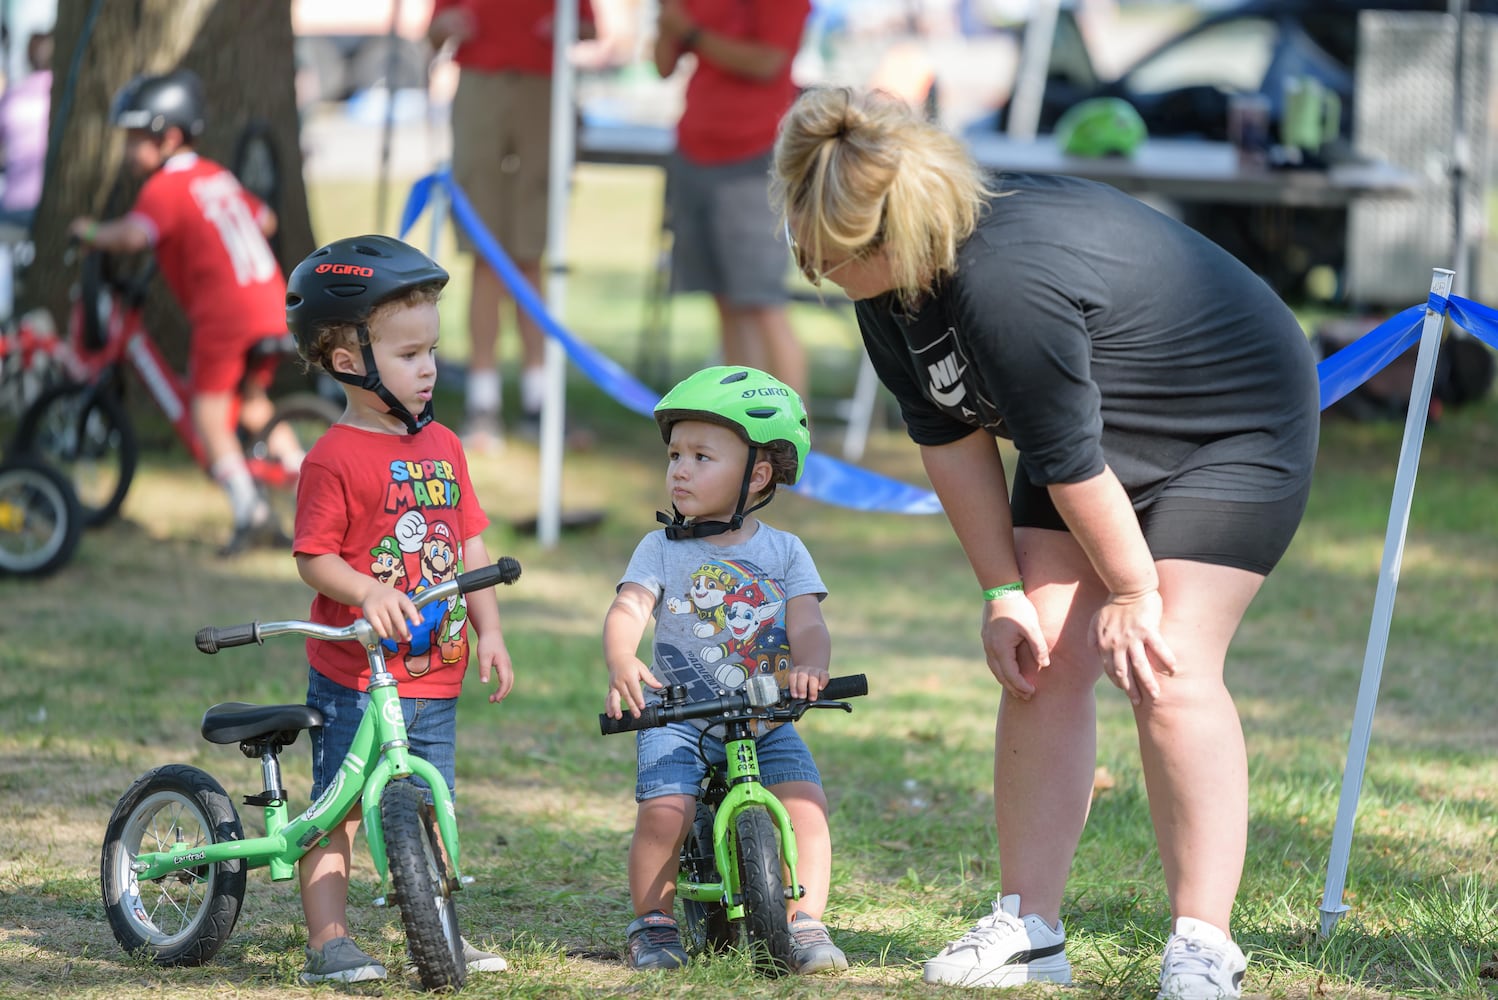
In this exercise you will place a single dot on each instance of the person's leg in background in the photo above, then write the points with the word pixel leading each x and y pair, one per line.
pixel 527 189
pixel 753 261
pixel 478 168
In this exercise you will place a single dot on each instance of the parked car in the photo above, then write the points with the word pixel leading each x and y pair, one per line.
pixel 1183 88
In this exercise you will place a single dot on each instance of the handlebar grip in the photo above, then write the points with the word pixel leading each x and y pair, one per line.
pixel 850 686
pixel 211 640
pixel 504 570
pixel 649 719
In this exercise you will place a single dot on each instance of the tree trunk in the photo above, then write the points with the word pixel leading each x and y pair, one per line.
pixel 243 51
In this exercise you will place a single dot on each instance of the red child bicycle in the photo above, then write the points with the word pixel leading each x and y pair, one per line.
pixel 81 424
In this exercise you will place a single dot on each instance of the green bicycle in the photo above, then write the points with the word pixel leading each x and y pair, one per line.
pixel 175 855
pixel 734 877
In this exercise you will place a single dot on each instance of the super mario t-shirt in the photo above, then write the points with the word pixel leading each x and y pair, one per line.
pixel 397 507
pixel 720 609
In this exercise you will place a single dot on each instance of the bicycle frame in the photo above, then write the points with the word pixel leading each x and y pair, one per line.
pixel 381 739
pixel 745 791
pixel 126 341
pixel 759 700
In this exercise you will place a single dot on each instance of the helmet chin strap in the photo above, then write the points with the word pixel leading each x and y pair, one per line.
pixel 370 381
pixel 679 528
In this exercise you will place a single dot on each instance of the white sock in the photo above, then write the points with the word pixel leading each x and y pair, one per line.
pixel 234 476
pixel 483 391
pixel 533 389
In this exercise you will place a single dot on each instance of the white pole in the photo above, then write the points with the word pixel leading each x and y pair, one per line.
pixel 1332 907
pixel 549 512
pixel 1034 65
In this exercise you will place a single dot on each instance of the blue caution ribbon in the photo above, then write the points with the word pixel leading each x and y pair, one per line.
pixel 839 483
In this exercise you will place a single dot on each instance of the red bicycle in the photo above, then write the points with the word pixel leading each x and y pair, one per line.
pixel 81 425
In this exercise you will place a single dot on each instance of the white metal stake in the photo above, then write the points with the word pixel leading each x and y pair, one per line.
pixel 1332 906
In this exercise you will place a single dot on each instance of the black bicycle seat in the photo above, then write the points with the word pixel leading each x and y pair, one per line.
pixel 238 722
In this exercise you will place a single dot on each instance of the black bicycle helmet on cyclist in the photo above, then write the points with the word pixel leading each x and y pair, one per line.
pixel 156 103
pixel 757 406
pixel 340 284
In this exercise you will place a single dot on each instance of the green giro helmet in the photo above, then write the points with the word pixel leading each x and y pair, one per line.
pixel 763 409
pixel 1100 126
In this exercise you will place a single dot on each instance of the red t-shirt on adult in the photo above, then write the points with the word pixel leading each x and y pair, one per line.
pixel 205 230
pixel 728 117
pixel 397 507
pixel 510 34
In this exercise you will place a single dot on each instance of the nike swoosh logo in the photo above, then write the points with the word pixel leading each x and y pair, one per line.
pixel 951 397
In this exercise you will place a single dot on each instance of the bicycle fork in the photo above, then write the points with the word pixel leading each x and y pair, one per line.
pixel 745 791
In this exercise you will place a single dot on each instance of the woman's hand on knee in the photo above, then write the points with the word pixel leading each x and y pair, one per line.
pixel 1126 634
pixel 1009 625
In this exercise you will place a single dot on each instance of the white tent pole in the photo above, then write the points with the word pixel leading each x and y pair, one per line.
pixel 549 512
pixel 1332 907
pixel 1034 64
pixel 1461 149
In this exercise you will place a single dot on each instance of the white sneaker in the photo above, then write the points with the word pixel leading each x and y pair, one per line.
pixel 1003 949
pixel 1201 963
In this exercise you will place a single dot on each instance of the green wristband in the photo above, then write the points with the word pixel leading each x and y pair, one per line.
pixel 1005 590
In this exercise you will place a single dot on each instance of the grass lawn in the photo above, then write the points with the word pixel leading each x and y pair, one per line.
pixel 99 681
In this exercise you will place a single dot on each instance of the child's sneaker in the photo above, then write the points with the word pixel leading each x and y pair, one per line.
pixel 655 942
pixel 340 961
pixel 1201 963
pixel 1003 949
pixel 813 948
pixel 482 961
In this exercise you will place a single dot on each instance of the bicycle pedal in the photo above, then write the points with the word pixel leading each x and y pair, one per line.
pixel 466 880
pixel 378 901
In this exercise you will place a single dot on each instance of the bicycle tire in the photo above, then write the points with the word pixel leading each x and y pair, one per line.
pixel 764 933
pixel 422 889
pixel 185 917
pixel 309 416
pixel 40 520
pixel 84 431
pixel 706 926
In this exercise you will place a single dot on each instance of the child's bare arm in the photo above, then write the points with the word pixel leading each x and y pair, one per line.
pixel 811 646
pixel 623 627
pixel 122 235
pixel 483 615
pixel 387 609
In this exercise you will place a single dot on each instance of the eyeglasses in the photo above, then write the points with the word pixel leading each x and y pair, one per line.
pixel 814 275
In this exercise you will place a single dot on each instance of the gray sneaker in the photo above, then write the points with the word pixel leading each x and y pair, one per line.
pixel 340 961
pixel 482 961
pixel 655 942
pixel 813 948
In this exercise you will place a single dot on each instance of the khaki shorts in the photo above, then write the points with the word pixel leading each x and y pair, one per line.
pixel 501 155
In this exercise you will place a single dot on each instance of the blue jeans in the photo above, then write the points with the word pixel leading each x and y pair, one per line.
pixel 431 730
pixel 670 765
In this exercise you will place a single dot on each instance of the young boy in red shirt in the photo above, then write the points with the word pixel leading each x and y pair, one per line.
pixel 385 508
pixel 209 237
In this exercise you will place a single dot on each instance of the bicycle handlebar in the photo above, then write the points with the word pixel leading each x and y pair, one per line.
pixel 733 705
pixel 213 638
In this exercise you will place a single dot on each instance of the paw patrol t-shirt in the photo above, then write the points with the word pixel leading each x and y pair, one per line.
pixel 720 609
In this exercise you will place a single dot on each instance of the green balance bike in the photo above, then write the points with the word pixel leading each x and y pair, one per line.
pixel 175 855
pixel 738 863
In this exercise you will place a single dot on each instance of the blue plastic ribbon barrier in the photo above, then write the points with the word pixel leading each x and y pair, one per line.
pixel 835 482
pixel 1477 319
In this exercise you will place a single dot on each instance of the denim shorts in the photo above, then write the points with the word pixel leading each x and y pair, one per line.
pixel 431 730
pixel 670 765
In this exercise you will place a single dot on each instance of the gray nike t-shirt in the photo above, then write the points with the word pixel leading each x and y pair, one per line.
pixel 1090 329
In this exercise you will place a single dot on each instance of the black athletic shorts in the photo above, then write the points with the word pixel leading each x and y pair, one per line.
pixel 1245 535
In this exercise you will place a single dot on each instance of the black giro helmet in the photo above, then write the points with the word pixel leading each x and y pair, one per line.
pixel 343 282
pixel 156 103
